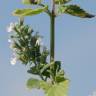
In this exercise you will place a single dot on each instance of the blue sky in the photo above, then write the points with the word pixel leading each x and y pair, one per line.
pixel 75 46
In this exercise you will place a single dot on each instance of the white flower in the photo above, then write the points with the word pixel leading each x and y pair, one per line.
pixel 38 42
pixel 14 54
pixel 13 61
pixel 9 40
pixel 14 49
pixel 26 37
pixel 10 27
pixel 23 48
pixel 11 45
pixel 29 30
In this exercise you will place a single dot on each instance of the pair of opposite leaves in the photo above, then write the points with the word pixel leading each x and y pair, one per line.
pixel 74 10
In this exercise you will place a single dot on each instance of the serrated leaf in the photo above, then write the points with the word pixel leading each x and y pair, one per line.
pixel 29 12
pixel 75 11
pixel 59 89
pixel 31 1
pixel 61 1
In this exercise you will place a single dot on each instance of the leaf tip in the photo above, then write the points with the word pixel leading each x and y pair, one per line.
pixel 90 16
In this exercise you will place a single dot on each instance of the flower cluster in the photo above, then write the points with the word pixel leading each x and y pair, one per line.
pixel 26 46
pixel 10 29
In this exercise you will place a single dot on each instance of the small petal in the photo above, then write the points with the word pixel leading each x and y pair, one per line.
pixel 38 42
pixel 30 30
pixel 11 46
pixel 9 40
pixel 26 37
pixel 14 54
pixel 13 61
pixel 10 27
pixel 23 49
pixel 14 49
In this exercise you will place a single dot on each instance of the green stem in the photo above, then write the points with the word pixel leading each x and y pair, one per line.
pixel 52 40
pixel 52 33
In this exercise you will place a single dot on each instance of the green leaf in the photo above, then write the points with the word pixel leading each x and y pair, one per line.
pixel 31 1
pixel 60 76
pixel 59 89
pixel 33 70
pixel 35 83
pixel 61 1
pixel 75 11
pixel 46 67
pixel 29 12
pixel 57 66
pixel 45 86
